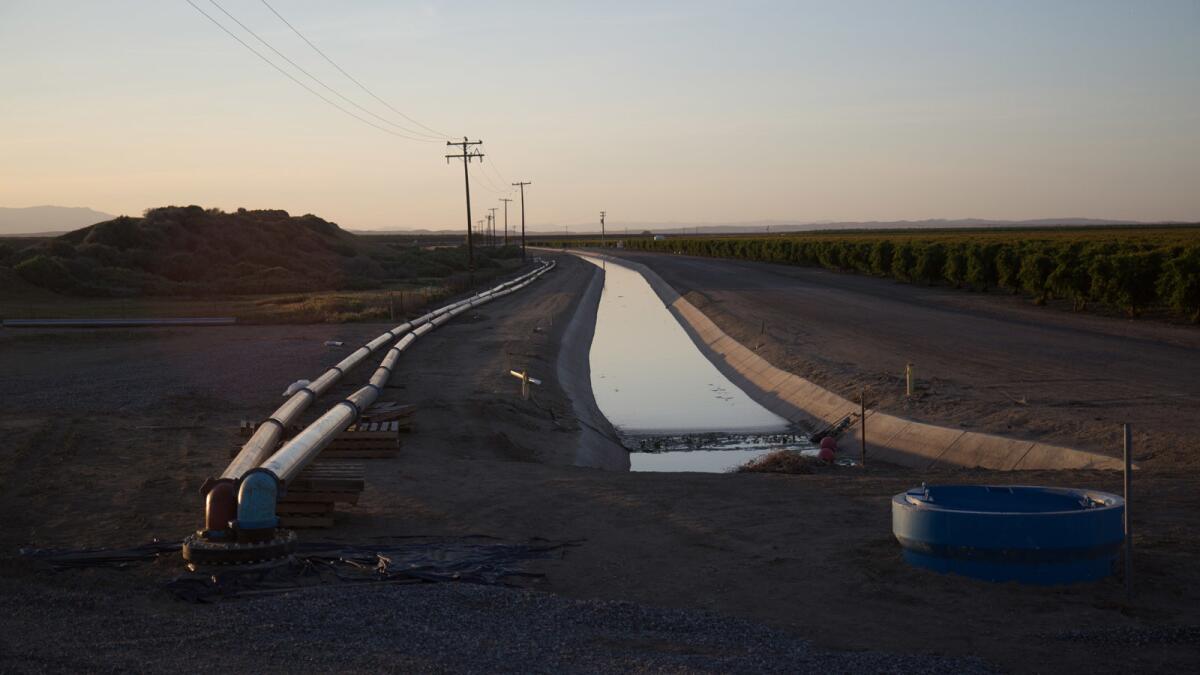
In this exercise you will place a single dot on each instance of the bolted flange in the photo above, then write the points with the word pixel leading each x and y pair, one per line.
pixel 201 551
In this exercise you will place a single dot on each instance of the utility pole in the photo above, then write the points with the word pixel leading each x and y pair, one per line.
pixel 602 239
pixel 506 200
pixel 522 185
pixel 466 155
pixel 493 210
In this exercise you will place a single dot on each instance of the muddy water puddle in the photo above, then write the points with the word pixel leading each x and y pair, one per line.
pixel 671 406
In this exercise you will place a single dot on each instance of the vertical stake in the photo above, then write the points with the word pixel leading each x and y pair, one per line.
pixel 525 384
pixel 1128 450
pixel 862 421
pixel 908 380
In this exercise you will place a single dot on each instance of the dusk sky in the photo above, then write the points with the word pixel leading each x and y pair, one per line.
pixel 654 111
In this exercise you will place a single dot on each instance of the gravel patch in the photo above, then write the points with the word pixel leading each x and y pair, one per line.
pixel 424 628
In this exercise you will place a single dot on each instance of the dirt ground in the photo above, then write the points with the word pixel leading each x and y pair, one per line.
pixel 108 435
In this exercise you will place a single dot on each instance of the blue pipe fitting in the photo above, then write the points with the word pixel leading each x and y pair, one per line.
pixel 256 501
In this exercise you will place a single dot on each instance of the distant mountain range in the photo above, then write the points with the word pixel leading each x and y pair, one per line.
pixel 762 226
pixel 48 219
pixel 36 220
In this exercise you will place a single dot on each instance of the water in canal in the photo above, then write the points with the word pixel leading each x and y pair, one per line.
pixel 671 406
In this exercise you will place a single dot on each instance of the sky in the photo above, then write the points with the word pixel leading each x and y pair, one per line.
pixel 701 112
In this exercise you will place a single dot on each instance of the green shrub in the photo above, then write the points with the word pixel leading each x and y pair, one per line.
pixel 47 272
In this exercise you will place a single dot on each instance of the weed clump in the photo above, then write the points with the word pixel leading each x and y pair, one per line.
pixel 781 461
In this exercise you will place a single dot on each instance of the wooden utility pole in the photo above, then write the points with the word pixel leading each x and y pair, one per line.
pixel 522 185
pixel 506 200
pixel 602 239
pixel 493 220
pixel 466 156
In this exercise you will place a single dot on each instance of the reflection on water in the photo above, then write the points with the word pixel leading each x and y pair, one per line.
pixel 651 382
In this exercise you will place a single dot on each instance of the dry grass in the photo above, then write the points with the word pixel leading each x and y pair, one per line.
pixel 19 300
pixel 782 461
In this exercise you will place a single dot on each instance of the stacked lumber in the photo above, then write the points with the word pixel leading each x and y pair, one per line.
pixel 311 498
pixel 365 440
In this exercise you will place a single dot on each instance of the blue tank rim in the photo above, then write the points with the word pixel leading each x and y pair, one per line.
pixel 1103 501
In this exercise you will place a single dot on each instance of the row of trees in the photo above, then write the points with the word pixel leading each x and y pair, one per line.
pixel 1128 275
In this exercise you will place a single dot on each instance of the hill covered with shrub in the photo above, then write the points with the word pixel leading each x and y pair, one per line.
pixel 190 250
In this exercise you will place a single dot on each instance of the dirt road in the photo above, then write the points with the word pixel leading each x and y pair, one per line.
pixel 89 463
pixel 986 362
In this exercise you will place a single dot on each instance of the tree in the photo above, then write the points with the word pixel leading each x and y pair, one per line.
pixel 1035 271
pixel 903 261
pixel 1070 279
pixel 981 266
pixel 931 260
pixel 955 269
pixel 881 257
pixel 1179 284
pixel 1127 281
pixel 1008 267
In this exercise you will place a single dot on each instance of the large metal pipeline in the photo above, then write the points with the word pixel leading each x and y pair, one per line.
pixel 259 486
pixel 266 436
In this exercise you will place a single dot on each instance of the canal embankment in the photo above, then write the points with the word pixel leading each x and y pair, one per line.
pixel 891 438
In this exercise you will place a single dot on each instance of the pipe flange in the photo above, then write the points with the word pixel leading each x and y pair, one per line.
pixel 199 551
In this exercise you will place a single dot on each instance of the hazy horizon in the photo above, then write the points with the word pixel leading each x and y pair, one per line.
pixel 656 112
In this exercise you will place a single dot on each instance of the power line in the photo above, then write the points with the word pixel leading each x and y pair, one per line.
pixel 348 75
pixel 415 134
pixel 489 184
pixel 466 156
pixel 498 173
pixel 293 78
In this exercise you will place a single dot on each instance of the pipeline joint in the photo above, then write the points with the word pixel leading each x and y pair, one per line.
pixel 353 406
pixel 256 499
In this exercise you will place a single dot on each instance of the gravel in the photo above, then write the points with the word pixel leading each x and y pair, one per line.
pixel 426 628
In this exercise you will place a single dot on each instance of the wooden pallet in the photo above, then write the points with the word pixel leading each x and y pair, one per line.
pixel 311 498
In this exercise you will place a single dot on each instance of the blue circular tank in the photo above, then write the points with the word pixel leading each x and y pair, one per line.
pixel 1037 535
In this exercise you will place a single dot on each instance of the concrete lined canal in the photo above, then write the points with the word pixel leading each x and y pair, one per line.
pixel 671 406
